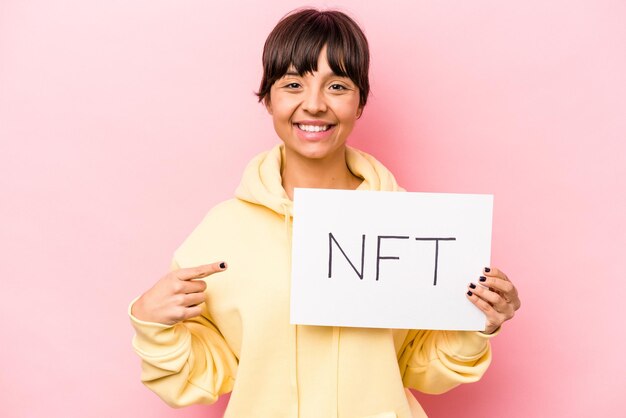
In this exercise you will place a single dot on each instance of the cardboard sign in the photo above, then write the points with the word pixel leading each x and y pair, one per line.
pixel 388 259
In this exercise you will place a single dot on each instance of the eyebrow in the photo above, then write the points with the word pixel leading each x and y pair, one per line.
pixel 295 73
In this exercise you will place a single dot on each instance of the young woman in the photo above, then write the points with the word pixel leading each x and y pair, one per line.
pixel 208 327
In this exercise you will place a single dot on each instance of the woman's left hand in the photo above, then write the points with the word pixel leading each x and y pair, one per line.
pixel 495 295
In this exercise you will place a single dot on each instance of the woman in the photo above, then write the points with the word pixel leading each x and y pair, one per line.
pixel 208 330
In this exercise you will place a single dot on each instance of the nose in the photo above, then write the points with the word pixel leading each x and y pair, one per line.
pixel 314 102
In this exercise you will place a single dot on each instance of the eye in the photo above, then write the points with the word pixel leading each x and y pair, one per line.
pixel 337 87
pixel 292 85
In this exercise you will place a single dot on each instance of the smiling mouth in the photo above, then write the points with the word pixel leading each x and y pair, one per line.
pixel 313 128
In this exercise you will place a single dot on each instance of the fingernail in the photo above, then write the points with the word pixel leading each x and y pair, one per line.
pixel 222 265
pixel 482 278
pixel 469 293
pixel 472 286
pixel 487 269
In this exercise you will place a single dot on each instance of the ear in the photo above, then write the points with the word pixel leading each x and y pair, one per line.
pixel 359 112
pixel 268 105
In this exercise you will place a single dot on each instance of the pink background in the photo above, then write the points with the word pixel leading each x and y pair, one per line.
pixel 123 122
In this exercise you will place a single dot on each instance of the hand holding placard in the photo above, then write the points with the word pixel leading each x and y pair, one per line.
pixel 497 298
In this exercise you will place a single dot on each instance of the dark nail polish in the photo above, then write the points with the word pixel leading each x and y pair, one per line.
pixel 487 269
pixel 482 278
pixel 222 265
pixel 472 286
pixel 469 293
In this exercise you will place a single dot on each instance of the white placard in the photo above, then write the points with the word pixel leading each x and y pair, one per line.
pixel 388 259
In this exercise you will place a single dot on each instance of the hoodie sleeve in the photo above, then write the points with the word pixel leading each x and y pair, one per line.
pixel 436 361
pixel 186 363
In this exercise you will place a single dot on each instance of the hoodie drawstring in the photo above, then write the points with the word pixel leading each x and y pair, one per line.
pixel 286 215
pixel 293 329
pixel 335 379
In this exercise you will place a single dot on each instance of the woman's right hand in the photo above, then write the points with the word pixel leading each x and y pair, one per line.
pixel 176 296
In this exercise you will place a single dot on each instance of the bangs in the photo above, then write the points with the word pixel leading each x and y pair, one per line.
pixel 304 51
pixel 298 40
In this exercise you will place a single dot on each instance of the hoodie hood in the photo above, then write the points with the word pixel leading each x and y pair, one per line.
pixel 262 183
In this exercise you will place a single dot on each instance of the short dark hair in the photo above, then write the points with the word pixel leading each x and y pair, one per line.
pixel 298 40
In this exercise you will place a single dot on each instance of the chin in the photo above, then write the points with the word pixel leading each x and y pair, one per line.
pixel 317 151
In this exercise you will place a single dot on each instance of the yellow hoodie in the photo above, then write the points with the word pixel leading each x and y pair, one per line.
pixel 243 341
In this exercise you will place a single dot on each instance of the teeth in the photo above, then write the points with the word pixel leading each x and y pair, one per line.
pixel 314 128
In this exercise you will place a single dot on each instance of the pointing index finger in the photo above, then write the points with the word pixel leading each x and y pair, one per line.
pixel 199 272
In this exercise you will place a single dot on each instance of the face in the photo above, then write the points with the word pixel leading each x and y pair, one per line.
pixel 314 114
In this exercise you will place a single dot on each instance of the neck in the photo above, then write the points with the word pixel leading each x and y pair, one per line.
pixel 331 172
